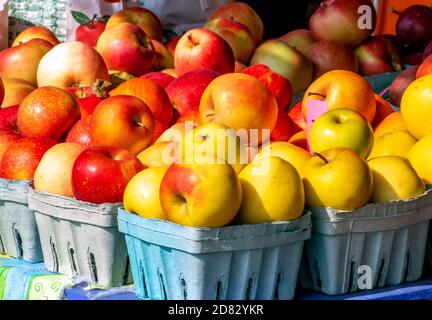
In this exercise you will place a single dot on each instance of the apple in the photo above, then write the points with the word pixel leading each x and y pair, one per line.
pixel 142 194
pixel 171 44
pixel 393 122
pixel 54 172
pixel 101 174
pixel 123 122
pixel 201 48
pixel 21 159
pixel 337 178
pixel 285 60
pixel 341 128
pixel 300 140
pixel 327 55
pixel 378 55
pixel 7 138
pixel 242 13
pixel 164 58
pixel 397 143
pixel 240 102
pixel 90 31
pixel 343 89
pixel 278 85
pixel 8 118
pixel 126 47
pixel 35 32
pixel 285 128
pixel 80 133
pixel 383 110
pixel 22 61
pixel 425 68
pixel 160 78
pixel 296 114
pixel 171 71
pixel 427 51
pixel 338 20
pixel 186 91
pixel 188 197
pixel 141 17
pixel 237 35
pixel 239 67
pixel 420 157
pixel 151 94
pixel 47 112
pixel 301 39
pixel 15 91
pixel 416 107
pixel 71 64
pixel 267 201
pixel 161 154
pixel 211 143
pixel 289 152
pixel 176 132
pixel 400 83
pixel 414 27
pixel 394 179
pixel 192 117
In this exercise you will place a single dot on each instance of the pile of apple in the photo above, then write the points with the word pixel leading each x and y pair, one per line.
pixel 183 131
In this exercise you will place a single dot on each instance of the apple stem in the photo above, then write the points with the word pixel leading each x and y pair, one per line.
pixel 319 155
pixel 316 94
pixel 93 20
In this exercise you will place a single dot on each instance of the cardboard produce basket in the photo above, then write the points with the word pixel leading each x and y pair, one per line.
pixel 19 236
pixel 247 262
pixel 81 239
pixel 387 239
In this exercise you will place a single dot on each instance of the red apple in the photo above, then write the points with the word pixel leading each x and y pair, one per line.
pixel 160 78
pixel 285 128
pixel 47 112
pixel 201 48
pixel 186 91
pixel 8 117
pixel 414 27
pixel 413 59
pixel 400 83
pixel 160 128
pixel 15 91
pixel 7 138
pixel 71 64
pixel 378 55
pixel 101 174
pixel 35 32
pixel 338 20
pixel 21 159
pixel 296 114
pixel 243 13
pixel 164 58
pixel 126 47
pixel 329 55
pixel 278 85
pixel 80 133
pixel 301 39
pixel 141 17
pixel 22 61
pixel 237 35
pixel 124 122
pixel 2 91
pixel 90 31
pixel 425 68
pixel 171 44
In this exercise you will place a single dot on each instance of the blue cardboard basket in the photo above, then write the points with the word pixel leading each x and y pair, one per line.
pixel 19 236
pixel 248 262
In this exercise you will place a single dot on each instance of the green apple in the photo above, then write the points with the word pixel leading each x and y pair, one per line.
pixel 341 128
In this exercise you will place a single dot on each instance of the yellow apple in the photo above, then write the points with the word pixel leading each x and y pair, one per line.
pixel 213 141
pixel 286 151
pixel 394 179
pixel 142 194
pixel 272 191
pixel 201 195
pixel 176 132
pixel 337 178
pixel 397 143
pixel 420 157
pixel 162 154
pixel 341 128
